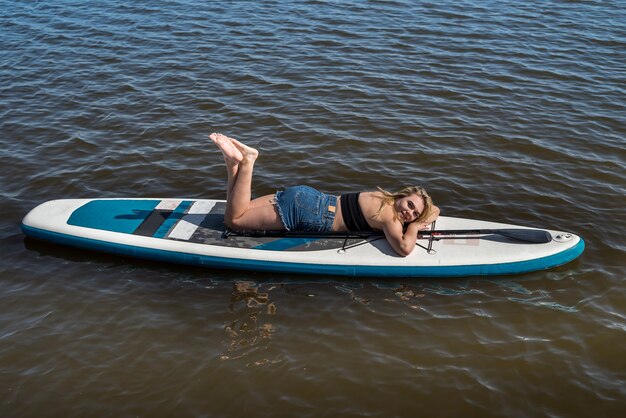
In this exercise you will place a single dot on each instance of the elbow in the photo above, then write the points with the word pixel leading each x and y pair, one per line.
pixel 405 251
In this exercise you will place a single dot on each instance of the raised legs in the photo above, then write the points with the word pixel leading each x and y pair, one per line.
pixel 241 211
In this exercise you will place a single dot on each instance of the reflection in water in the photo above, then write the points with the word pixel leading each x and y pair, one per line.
pixel 408 296
pixel 248 333
pixel 350 291
pixel 404 293
pixel 367 294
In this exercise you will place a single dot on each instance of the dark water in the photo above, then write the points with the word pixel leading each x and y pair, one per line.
pixel 506 111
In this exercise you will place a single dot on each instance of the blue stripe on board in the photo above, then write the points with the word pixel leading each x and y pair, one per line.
pixel 284 243
pixel 178 213
pixel 113 215
pixel 276 266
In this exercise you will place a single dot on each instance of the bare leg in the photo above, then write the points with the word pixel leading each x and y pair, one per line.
pixel 241 193
pixel 232 158
pixel 241 211
pixel 230 152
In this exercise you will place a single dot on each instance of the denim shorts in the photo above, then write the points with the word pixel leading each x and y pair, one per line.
pixel 302 208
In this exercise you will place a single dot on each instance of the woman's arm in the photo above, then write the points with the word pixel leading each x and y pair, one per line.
pixel 404 242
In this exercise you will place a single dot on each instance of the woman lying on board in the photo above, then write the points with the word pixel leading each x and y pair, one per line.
pixel 301 208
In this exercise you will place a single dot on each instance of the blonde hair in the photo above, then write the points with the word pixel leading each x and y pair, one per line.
pixel 390 199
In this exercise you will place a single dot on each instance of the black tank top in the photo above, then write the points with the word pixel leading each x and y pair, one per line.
pixel 352 214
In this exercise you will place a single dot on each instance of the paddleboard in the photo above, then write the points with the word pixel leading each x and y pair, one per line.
pixel 192 232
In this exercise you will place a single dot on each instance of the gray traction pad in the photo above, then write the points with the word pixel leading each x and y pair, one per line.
pixel 211 230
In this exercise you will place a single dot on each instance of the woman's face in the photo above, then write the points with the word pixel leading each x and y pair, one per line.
pixel 409 208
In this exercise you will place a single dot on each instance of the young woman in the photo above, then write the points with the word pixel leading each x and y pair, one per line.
pixel 301 208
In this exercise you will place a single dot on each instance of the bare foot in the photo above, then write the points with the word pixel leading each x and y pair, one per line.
pixel 249 154
pixel 231 154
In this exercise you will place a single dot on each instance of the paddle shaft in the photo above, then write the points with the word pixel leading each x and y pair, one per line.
pixel 526 235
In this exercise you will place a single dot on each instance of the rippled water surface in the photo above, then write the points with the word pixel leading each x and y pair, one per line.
pixel 506 111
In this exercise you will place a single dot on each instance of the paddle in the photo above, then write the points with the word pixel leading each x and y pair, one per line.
pixel 536 236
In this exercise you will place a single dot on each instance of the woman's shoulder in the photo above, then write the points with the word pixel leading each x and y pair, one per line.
pixel 371 195
pixel 374 207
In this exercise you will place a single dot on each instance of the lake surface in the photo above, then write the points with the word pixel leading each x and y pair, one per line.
pixel 506 111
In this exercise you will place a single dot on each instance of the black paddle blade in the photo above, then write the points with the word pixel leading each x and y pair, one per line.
pixel 536 236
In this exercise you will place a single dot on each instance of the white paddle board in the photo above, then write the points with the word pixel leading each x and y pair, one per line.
pixel 190 231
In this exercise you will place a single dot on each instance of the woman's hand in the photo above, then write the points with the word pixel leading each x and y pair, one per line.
pixel 434 214
pixel 423 225
pixel 402 240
